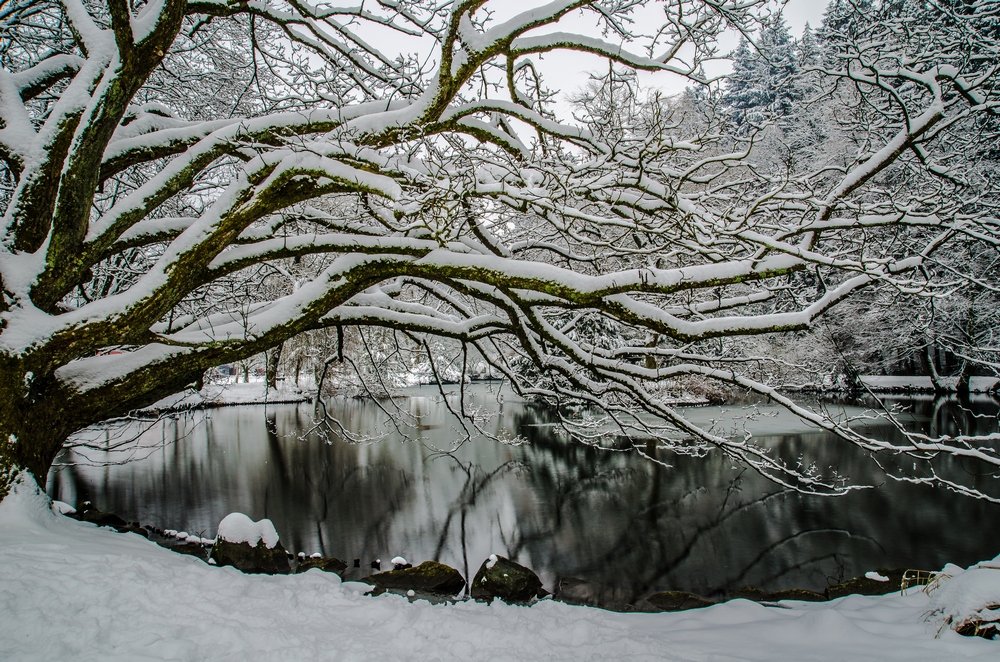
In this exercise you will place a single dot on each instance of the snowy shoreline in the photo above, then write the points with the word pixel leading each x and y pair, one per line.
pixel 73 591
pixel 228 395
pixel 255 393
pixel 913 384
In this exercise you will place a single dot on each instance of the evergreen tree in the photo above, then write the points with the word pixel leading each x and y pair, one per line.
pixel 843 22
pixel 808 50
pixel 763 82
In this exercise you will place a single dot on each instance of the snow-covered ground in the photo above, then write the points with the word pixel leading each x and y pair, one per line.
pixel 71 591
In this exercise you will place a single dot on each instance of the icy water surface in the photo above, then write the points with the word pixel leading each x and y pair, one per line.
pixel 561 508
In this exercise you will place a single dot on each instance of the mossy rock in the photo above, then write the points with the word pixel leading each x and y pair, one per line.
pixel 750 593
pixel 88 512
pixel 258 559
pixel 189 548
pixel 678 601
pixel 509 581
pixel 758 595
pixel 329 564
pixel 865 586
pixel 428 577
pixel 798 594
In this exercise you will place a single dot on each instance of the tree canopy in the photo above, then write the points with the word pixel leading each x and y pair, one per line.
pixel 404 164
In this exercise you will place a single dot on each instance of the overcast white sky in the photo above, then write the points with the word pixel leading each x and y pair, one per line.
pixel 800 12
pixel 567 71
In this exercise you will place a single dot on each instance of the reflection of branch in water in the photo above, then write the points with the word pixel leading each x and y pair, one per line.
pixel 326 425
pixel 473 421
pixel 640 527
pixel 814 561
pixel 791 538
pixel 126 439
pixel 475 484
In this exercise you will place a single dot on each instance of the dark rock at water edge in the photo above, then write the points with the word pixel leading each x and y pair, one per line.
pixel 88 512
pixel 750 593
pixel 757 595
pixel 677 601
pixel 251 558
pixel 133 528
pixel 575 591
pixel 189 548
pixel 428 577
pixel 330 564
pixel 509 581
pixel 865 586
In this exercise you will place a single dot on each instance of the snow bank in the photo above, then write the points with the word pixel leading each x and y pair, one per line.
pixel 238 528
pixel 959 597
pixel 72 591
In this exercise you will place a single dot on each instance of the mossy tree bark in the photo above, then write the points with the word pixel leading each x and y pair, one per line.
pixel 34 423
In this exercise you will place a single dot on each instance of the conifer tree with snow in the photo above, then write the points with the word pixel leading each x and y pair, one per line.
pixel 764 80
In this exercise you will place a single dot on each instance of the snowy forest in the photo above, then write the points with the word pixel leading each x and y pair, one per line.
pixel 359 194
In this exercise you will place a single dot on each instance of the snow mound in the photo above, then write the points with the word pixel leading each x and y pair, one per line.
pixel 25 505
pixel 63 508
pixel 238 528
pixel 962 599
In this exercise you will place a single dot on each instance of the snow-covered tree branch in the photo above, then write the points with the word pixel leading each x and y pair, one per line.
pixel 402 164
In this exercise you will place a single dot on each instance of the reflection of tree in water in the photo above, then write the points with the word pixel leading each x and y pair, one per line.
pixel 575 510
pixel 477 483
pixel 352 506
pixel 316 494
pixel 706 526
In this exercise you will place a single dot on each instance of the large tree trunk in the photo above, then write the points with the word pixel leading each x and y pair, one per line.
pixel 273 359
pixel 964 383
pixel 35 420
pixel 927 362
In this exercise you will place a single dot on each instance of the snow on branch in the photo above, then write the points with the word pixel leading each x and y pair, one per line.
pixel 278 169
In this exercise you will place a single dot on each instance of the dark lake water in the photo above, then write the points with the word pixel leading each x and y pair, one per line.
pixel 561 508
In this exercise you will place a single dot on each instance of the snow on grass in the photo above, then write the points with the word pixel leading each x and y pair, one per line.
pixel 72 591
pixel 961 596
pixel 238 528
